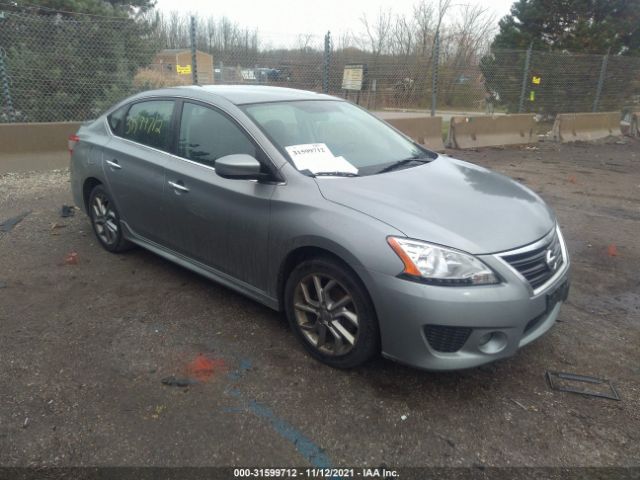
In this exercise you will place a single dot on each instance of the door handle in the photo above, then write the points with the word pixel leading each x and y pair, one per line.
pixel 114 164
pixel 179 187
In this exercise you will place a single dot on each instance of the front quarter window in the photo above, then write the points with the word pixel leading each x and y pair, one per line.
pixel 349 138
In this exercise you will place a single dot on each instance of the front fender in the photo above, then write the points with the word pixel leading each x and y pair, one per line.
pixel 301 217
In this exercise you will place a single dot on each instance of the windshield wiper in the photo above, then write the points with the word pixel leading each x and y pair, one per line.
pixel 335 174
pixel 406 161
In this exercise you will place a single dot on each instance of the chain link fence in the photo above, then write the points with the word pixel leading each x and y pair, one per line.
pixel 57 66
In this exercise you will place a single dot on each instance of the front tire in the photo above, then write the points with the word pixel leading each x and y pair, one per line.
pixel 330 312
pixel 105 221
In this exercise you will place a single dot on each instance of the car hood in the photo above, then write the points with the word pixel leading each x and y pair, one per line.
pixel 448 202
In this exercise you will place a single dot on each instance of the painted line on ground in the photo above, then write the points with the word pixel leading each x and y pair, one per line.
pixel 303 444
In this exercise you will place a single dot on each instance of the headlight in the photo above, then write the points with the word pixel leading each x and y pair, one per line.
pixel 439 265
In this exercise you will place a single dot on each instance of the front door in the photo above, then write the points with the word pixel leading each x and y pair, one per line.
pixel 222 223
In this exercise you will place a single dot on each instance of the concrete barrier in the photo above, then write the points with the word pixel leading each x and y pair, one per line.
pixel 35 146
pixel 35 137
pixel 424 130
pixel 585 127
pixel 486 131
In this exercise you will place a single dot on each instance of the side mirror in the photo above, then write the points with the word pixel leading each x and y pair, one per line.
pixel 238 166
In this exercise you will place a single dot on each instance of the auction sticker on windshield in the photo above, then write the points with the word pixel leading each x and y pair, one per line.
pixel 317 158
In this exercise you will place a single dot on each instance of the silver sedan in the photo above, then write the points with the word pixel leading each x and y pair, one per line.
pixel 306 203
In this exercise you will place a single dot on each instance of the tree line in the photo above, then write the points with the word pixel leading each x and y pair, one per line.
pixel 68 59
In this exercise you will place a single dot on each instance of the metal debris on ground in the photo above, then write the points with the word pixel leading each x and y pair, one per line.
pixel 586 385
pixel 8 225
pixel 55 227
pixel 519 404
pixel 178 381
pixel 67 211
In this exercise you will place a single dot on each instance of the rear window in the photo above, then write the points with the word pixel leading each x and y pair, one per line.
pixel 149 123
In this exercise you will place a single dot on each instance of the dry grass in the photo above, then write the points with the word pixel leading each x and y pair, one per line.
pixel 148 79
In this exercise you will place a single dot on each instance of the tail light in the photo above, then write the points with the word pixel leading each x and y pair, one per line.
pixel 72 142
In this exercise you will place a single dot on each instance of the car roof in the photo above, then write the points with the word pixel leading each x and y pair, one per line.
pixel 243 94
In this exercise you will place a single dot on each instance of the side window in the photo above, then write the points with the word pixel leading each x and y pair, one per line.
pixel 206 135
pixel 149 123
pixel 116 119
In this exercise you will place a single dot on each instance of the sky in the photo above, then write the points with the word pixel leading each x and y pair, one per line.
pixel 275 18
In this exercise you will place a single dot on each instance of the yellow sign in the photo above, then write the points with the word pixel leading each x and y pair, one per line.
pixel 536 80
pixel 532 96
pixel 183 70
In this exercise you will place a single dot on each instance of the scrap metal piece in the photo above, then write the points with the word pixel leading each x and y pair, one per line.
pixel 8 224
pixel 173 381
pixel 67 211
pixel 557 381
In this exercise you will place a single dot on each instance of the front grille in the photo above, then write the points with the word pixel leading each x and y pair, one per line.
pixel 446 339
pixel 538 265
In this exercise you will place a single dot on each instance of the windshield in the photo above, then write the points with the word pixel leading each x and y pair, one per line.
pixel 325 136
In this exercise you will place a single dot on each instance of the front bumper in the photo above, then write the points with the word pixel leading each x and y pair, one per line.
pixel 479 324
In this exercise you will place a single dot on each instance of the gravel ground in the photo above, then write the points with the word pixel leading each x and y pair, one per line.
pixel 84 348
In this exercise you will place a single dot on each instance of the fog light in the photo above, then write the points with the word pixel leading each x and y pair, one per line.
pixel 493 342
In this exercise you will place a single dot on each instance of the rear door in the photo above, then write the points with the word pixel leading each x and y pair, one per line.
pixel 134 161
pixel 223 223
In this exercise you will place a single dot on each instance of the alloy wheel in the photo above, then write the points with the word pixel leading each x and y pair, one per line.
pixel 105 219
pixel 326 314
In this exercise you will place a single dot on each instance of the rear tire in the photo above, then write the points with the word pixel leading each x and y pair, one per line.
pixel 330 312
pixel 105 221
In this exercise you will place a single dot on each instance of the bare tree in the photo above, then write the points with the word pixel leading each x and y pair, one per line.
pixel 443 9
pixel 219 36
pixel 423 14
pixel 345 40
pixel 402 37
pixel 378 31
pixel 473 31
pixel 177 34
pixel 211 33
pixel 467 39
pixel 304 41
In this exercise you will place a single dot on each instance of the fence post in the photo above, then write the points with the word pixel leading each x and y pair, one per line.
pixel 326 62
pixel 525 77
pixel 4 85
pixel 194 57
pixel 603 71
pixel 434 73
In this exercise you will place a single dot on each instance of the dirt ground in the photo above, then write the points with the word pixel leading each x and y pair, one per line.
pixel 84 348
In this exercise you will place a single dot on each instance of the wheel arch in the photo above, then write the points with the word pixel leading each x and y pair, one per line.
pixel 89 184
pixel 304 252
pixel 372 331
